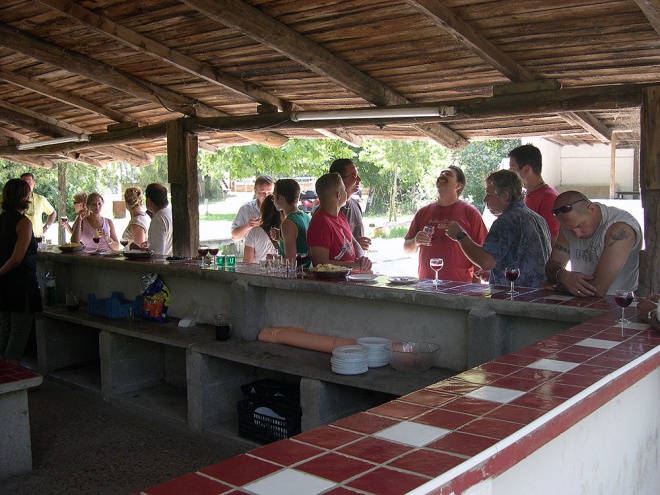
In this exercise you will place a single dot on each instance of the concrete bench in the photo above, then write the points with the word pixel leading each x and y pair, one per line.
pixel 188 376
pixel 15 444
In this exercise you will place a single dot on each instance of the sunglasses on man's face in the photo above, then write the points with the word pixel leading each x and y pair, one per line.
pixel 355 175
pixel 566 208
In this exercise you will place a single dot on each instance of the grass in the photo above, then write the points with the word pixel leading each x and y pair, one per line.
pixel 214 217
pixel 391 233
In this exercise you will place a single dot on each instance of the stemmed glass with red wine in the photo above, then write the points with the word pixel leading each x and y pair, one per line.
pixel 436 265
pixel 203 251
pixel 213 251
pixel 512 275
pixel 624 298
pixel 123 242
pixel 97 239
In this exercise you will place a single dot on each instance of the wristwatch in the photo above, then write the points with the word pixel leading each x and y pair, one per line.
pixel 462 234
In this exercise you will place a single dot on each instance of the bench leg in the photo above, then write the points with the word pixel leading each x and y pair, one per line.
pixel 15 445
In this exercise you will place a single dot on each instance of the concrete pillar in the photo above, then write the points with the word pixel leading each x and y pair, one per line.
pixel 15 443
pixel 248 310
pixel 486 337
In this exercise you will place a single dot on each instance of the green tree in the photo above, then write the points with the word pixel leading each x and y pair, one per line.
pixel 399 173
pixel 477 160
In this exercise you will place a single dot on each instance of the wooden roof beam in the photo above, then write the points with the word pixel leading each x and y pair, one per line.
pixel 149 46
pixel 651 9
pixel 31 161
pixel 67 98
pixel 102 73
pixel 588 122
pixel 254 23
pixel 496 58
pixel 52 127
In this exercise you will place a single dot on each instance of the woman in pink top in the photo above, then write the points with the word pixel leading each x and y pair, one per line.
pixel 90 222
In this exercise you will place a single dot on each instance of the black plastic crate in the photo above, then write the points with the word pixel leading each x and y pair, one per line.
pixel 281 398
pixel 263 428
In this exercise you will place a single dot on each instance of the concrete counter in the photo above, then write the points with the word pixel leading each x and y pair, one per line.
pixel 472 323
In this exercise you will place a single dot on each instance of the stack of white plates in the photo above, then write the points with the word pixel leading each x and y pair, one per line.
pixel 349 360
pixel 376 351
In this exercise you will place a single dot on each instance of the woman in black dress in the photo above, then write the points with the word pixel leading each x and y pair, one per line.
pixel 19 290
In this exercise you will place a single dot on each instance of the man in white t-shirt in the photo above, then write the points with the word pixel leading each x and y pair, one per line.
pixel 248 215
pixel 159 237
pixel 601 242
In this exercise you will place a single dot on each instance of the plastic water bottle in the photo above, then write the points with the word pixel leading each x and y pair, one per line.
pixel 51 288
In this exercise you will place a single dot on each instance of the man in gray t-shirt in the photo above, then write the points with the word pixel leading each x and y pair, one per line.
pixel 602 244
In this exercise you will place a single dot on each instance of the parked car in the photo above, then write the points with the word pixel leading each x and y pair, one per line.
pixel 308 201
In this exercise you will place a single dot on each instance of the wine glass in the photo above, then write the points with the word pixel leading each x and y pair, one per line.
pixel 39 239
pixel 213 251
pixel 436 266
pixel 124 242
pixel 97 239
pixel 624 298
pixel 203 251
pixel 512 275
pixel 429 230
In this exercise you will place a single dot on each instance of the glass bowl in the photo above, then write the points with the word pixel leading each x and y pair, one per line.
pixel 412 357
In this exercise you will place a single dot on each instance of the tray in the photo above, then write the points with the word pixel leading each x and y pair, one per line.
pixel 137 254
pixel 71 249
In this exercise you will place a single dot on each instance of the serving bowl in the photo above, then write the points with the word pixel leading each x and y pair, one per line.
pixel 71 247
pixel 133 254
pixel 412 357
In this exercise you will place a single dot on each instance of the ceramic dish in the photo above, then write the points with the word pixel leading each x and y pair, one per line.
pixel 402 280
pixel 71 249
pixel 136 254
pixel 331 275
pixel 362 277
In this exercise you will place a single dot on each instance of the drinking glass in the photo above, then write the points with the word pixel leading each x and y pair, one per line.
pixel 213 251
pixel 436 266
pixel 97 239
pixel 123 242
pixel 429 230
pixel 624 298
pixel 202 251
pixel 512 275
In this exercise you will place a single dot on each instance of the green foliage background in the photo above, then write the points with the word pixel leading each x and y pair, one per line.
pixel 411 166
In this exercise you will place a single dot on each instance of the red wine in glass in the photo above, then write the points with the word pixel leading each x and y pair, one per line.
pixel 512 275
pixel 213 251
pixel 96 240
pixel 623 299
pixel 124 242
pixel 202 251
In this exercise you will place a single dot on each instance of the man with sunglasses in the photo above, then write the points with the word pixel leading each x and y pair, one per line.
pixel 527 162
pixel 601 242
pixel 352 209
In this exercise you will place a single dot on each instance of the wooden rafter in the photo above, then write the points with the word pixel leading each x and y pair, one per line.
pixel 107 75
pixel 499 60
pixel 214 75
pixel 510 105
pixel 270 32
pixel 651 9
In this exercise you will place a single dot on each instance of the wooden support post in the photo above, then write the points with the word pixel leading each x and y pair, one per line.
pixel 182 175
pixel 61 202
pixel 650 182
pixel 612 165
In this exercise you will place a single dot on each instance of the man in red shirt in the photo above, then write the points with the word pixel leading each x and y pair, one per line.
pixel 447 208
pixel 329 236
pixel 527 162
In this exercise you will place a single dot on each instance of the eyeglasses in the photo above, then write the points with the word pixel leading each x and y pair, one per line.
pixel 354 175
pixel 567 207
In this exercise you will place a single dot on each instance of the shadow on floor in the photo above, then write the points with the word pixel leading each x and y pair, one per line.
pixel 82 444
